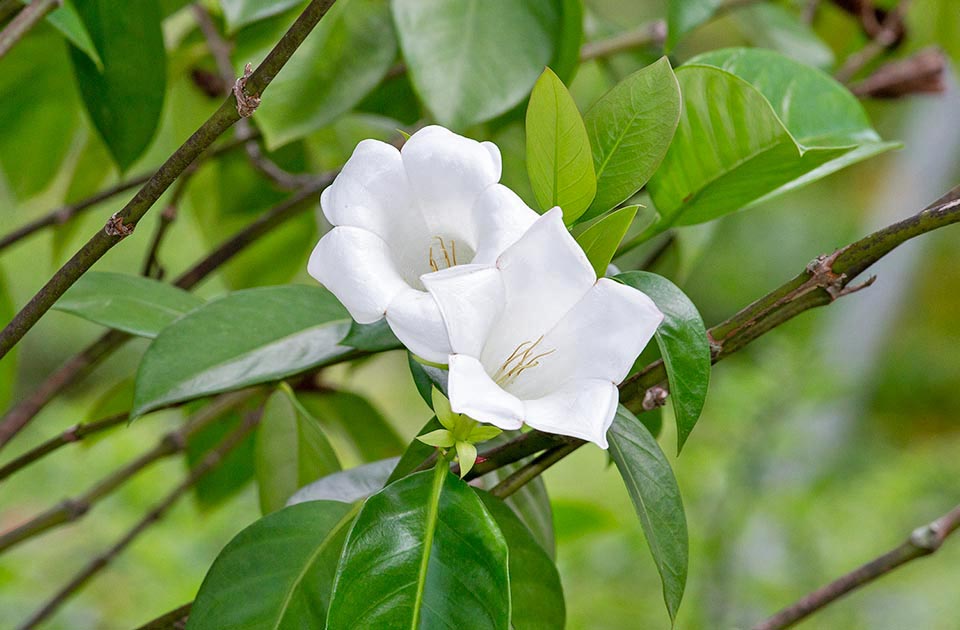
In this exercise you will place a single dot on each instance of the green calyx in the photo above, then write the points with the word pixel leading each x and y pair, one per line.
pixel 460 432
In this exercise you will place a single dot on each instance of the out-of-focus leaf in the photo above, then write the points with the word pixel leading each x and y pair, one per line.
pixel 755 125
pixel 601 240
pixel 66 20
pixel 372 337
pixel 237 468
pixel 535 590
pixel 134 304
pixel 558 150
pixel 300 545
pixel 125 97
pixel 472 60
pixel 248 337
pixel 936 21
pixel 349 485
pixel 360 422
pixel 773 26
pixel 630 129
pixel 413 544
pixel 339 63
pixel 8 364
pixel 416 453
pixel 656 498
pixel 685 15
pixel 567 56
pixel 239 13
pixel 291 450
pixel 684 346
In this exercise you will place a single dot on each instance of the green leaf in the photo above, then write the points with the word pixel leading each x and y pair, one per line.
pixel 472 60
pixel 339 63
pixel 68 22
pixel 352 416
pixel 291 450
pixel 277 573
pixel 466 456
pixel 414 544
pixel 656 498
pixel 247 337
pixel 372 337
pixel 559 162
pixel 684 346
pixel 8 364
pixel 134 304
pixel 601 240
pixel 416 453
pixel 685 15
pixel 440 438
pixel 739 144
pixel 235 471
pixel 567 56
pixel 349 485
pixel 630 129
pixel 125 97
pixel 773 26
pixel 238 13
pixel 535 589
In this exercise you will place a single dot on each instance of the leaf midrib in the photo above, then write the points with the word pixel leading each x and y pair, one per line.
pixel 433 513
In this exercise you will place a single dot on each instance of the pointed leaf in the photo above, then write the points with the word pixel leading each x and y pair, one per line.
pixel 371 337
pixel 441 438
pixel 467 456
pixel 66 20
pixel 277 573
pixel 684 346
pixel 413 548
pixel 601 240
pixel 349 485
pixel 656 498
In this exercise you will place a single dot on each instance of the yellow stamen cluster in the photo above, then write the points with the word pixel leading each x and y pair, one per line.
pixel 449 257
pixel 522 358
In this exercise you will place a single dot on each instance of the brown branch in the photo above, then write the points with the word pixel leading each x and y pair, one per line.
pixel 176 619
pixel 74 434
pixel 889 34
pixel 126 219
pixel 921 73
pixel 175 441
pixel 151 263
pixel 924 541
pixel 25 20
pixel 210 462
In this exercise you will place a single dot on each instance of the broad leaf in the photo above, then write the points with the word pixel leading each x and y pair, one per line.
pixel 66 20
pixel 685 15
pixel 684 346
pixel 348 485
pixel 601 240
pixel 566 57
pixel 772 26
pixel 656 498
pixel 236 470
pixel 247 337
pixel 343 59
pixel 559 162
pixel 277 573
pixel 372 337
pixel 739 144
pixel 362 424
pixel 134 304
pixel 630 129
pixel 291 451
pixel 424 552
pixel 238 13
pixel 472 60
pixel 125 97
pixel 535 590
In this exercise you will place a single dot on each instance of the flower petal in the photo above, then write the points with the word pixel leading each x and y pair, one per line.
pixel 356 266
pixel 470 298
pixel 416 321
pixel 501 218
pixel 582 408
pixel 473 392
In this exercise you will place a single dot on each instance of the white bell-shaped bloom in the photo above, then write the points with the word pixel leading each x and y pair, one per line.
pixel 400 214
pixel 538 339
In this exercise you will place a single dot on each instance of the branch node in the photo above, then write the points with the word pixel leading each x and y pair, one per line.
pixel 654 397
pixel 926 537
pixel 116 227
pixel 72 434
pixel 246 103
pixel 823 276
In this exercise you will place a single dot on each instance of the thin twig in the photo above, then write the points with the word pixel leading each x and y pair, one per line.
pixel 210 462
pixel 173 442
pixel 921 73
pixel 126 219
pixel 74 434
pixel 924 541
pixel 20 25
pixel 649 34
pixel 534 469
pixel 151 263
pixel 889 34
pixel 175 619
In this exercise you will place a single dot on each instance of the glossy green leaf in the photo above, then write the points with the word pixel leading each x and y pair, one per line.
pixel 601 240
pixel 530 503
pixel 238 13
pixel 125 97
pixel 424 552
pixel 773 26
pixel 472 60
pixel 630 129
pixel 656 498
pixel 535 589
pixel 66 20
pixel 291 451
pixel 684 346
pixel 739 144
pixel 559 162
pixel 342 60
pixel 354 417
pixel 277 573
pixel 348 485
pixel 685 15
pixel 247 337
pixel 134 304
pixel 235 471
pixel 372 337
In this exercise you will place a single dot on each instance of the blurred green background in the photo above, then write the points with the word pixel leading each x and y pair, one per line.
pixel 822 445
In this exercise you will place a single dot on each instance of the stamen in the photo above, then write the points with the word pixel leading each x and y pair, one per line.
pixel 518 361
pixel 433 263
pixel 449 256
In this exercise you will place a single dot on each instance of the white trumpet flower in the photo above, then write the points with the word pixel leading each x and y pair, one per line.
pixel 538 339
pixel 401 215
